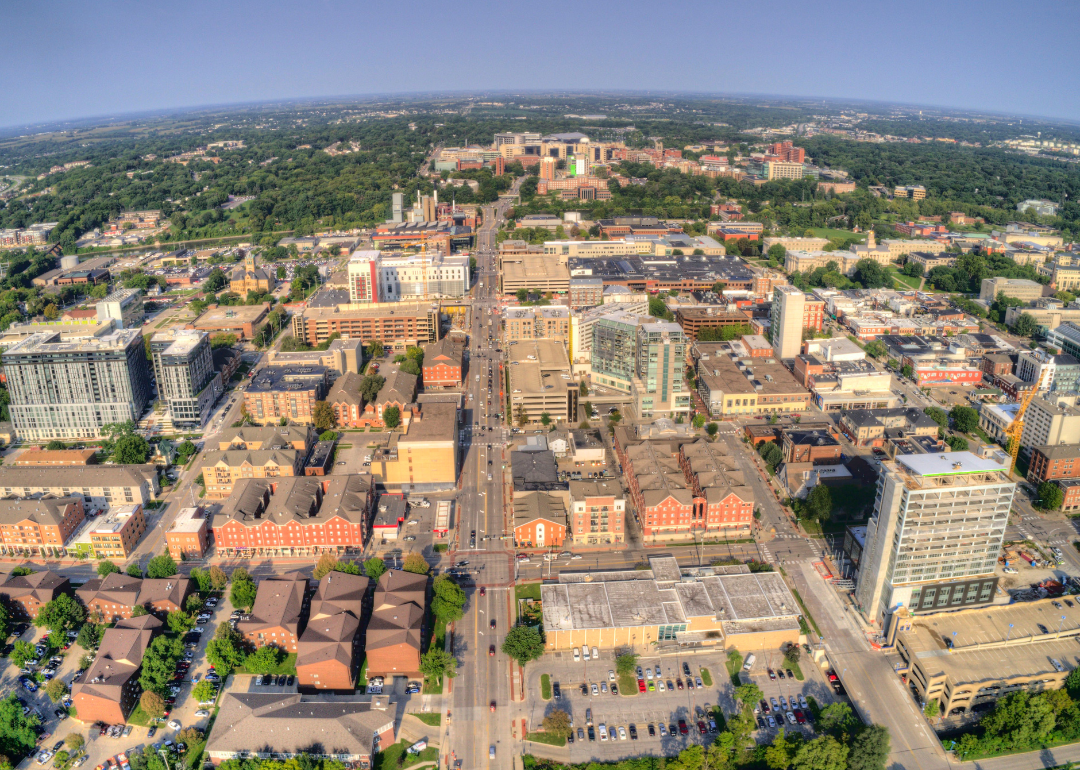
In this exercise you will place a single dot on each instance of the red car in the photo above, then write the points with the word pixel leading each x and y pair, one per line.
pixel 701 727
pixel 483 591
pixel 799 717
pixel 641 685
pixel 493 705
pixel 678 683
pixel 491 650
pixel 683 730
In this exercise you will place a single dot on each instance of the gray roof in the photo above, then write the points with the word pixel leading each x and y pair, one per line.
pixel 76 476
pixel 47 511
pixel 535 471
pixel 279 603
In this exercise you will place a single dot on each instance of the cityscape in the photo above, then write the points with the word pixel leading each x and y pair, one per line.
pixel 502 415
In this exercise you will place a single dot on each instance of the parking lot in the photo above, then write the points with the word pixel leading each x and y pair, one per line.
pixel 815 686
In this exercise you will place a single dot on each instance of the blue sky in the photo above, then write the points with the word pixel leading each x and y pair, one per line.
pixel 71 58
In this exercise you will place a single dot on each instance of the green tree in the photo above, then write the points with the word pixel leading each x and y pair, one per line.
pixel 138 611
pixel 712 428
pixel 391 417
pixel 699 421
pixel 1050 497
pixel 772 454
pixel 545 419
pixel 204 691
pixel 871 274
pixel 18 731
pixel 370 386
pixel 135 571
pixel 153 704
pixel 957 443
pixel 159 663
pixel 161 566
pixel 74 741
pixel 818 504
pixel 179 622
pixel 837 718
pixel 626 663
pixel 877 349
pixel 218 579
pixel 324 566
pixel 226 650
pixel 1025 325
pixel 323 417
pixel 777 253
pixel 557 723
pixel 193 603
pixel 907 371
pixel 448 600
pixel 376 350
pixel 243 589
pixel 131 450
pixel 870 749
pixel 792 655
pixel 56 689
pixel 264 660
pixel 437 663
pixel 937 415
pixel 781 752
pixel 106 568
pixel 22 652
pixel 202 579
pixel 748 694
pixel 90 636
pixel 416 564
pixel 61 615
pixel 410 367
pixel 964 418
pixel 823 753
pixel 523 644
pixel 374 567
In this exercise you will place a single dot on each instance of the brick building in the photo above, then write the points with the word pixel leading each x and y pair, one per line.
pixel 285 391
pixel 221 470
pixel 27 594
pixel 597 512
pixel 114 596
pixel 110 688
pixel 116 534
pixel 395 324
pixel 999 364
pixel 539 519
pixel 279 614
pixel 801 446
pixel 345 399
pixel 1060 461
pixel 39 527
pixel 443 363
pixel 327 657
pixel 189 535
pixel 395 626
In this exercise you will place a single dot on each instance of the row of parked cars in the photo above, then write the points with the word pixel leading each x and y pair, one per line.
pixel 772 712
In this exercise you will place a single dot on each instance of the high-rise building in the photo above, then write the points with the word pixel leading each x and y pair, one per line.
pixel 614 349
pixel 397 207
pixel 1052 372
pixel 363 272
pixel 72 388
pixel 186 380
pixel 659 385
pixel 547 168
pixel 125 306
pixel 787 321
pixel 935 535
pixel 423 276
pixel 1053 419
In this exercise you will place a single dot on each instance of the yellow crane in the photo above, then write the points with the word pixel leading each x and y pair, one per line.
pixel 1016 429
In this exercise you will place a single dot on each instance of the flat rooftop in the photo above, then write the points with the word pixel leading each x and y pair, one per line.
pixel 189 520
pixel 538 366
pixel 231 314
pixel 54 342
pixel 949 464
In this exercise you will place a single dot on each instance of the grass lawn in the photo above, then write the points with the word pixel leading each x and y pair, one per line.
pixel 441 548
pixel 432 686
pixel 528 591
pixel 545 686
pixel 706 677
pixel 829 232
pixel 395 756
pixel 286 666
pixel 362 680
pixel 434 719
pixel 907 280
pixel 551 740
pixel 733 666
pixel 139 717
pixel 628 685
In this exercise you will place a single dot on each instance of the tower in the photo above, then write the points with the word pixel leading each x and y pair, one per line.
pixel 871 242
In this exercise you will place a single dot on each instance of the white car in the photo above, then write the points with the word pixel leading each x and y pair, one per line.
pixel 603 731
pixel 622 733
pixel 660 685
pixel 577 655
pixel 174 724
pixel 202 713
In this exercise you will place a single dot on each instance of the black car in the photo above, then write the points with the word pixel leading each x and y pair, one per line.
pixel 556 691
pixel 592 733
pixel 570 737
pixel 1043 628
pixel 281 680
pixel 790 675
pixel 686 668
pixel 584 689
pixel 633 732
pixel 289 681
pixel 150 733
pixel 652 730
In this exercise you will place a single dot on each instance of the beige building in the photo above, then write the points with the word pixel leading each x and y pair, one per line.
pixel 787 321
pixel 793 243
pixel 564 250
pixel 1053 419
pixel 541 381
pixel 780 169
pixel 534 272
pixel 807 261
pixel 930 260
pixel 1018 288
pixel 533 323
pixel 597 512
pixel 343 356
pixel 100 486
pixel 1066 278
pixel 730 386
pixel 643 610
pixel 425 457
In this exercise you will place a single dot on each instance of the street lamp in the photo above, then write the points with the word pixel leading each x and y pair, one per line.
pixel 1062 623
pixel 1007 633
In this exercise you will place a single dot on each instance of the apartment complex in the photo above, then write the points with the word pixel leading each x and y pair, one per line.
pixel 342 356
pixel 779 169
pixel 582 323
pixel 793 311
pixel 223 468
pixel 186 380
pixel 279 615
pixel 645 358
pixel 1050 420
pixel 935 535
pixel 597 513
pixel 443 363
pixel 72 388
pixel 694 319
pixel 189 535
pixel 534 323
pixel 117 533
pixel 541 381
pixel 39 527
pixel 124 307
pixel 539 519
pixel 99 486
pixel 110 688
pixel 393 630
pixel 25 595
pixel 327 656
pixel 115 596
pixel 395 324
pixel 288 392
pixel 1048 463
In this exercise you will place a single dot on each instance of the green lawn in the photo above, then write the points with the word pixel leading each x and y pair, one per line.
pixel 362 680
pixel 286 666
pixel 829 232
pixel 394 757
pixel 706 677
pixel 433 719
pixel 551 740
pixel 139 717
pixel 628 685
pixel 733 666
pixel 527 591
pixel 907 281
pixel 545 686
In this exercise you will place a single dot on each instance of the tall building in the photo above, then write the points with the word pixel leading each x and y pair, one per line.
pixel 659 385
pixel 1053 419
pixel 363 272
pixel 125 306
pixel 186 380
pixel 423 276
pixel 787 321
pixel 778 169
pixel 614 349
pixel 72 388
pixel 935 535
pixel 547 168
pixel 397 207
pixel 1052 372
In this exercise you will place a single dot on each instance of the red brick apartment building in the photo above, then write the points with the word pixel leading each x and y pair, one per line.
pixel 114 596
pixel 39 527
pixel 815 447
pixel 327 657
pixel 279 614
pixel 27 594
pixel 443 363
pixel 189 535
pixel 1054 462
pixel 110 688
pixel 394 629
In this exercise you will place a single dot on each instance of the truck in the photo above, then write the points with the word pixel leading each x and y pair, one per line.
pixel 442 518
pixel 749 664
pixel 417 747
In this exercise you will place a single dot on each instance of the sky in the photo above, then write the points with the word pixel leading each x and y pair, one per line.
pixel 66 59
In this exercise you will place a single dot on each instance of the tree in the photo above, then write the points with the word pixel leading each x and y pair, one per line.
pixel 777 253
pixel 410 367
pixel 824 753
pixel 937 415
pixel 437 663
pixel 131 450
pixel 161 566
pixel 626 663
pixel 370 386
pixel 179 622
pixel 201 578
pixel 18 731
pixel 957 443
pixel 218 579
pixel 416 564
pixel 22 652
pixel 877 349
pixel 837 718
pixel 138 611
pixel 712 428
pixel 523 644
pixel 870 749
pixel 61 615
pixel 225 651
pixel 931 709
pixel 818 504
pixel 907 371
pixel 448 600
pixel 90 636
pixel 376 349
pixel 56 689
pixel 748 694
pixel 159 663
pixel 391 417
pixel 204 691
pixel 243 589
pixel 324 566
pixel 106 568
pixel 216 281
pixel 871 274
pixel 1025 325
pixel 135 571
pixel 772 454
pixel 193 604
pixel 779 754
pixel 74 741
pixel 323 417
pixel 545 419
pixel 699 421
pixel 1050 497
pixel 264 660
pixel 557 723
pixel 965 418
pixel 374 567
pixel 153 704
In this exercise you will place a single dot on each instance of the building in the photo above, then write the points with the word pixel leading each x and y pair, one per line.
pixel 342 356
pixel 54 457
pixel 424 458
pixel 597 513
pixel 186 380
pixel 995 419
pixel 110 598
pixel 328 655
pixel 251 277
pixel 124 306
pixel 541 382
pixel 1047 317
pixel 1017 288
pixel 643 357
pixel 27 594
pixel 535 273
pixel 867 427
pixel 641 610
pixel 792 312
pixel 295 516
pixel 161 596
pixel 999 364
pixel 810 446
pixel 443 363
pixel 117 533
pixel 1043 208
pixel 398 391
pixel 1059 372
pixel 189 535
pixel 778 169
pixel 280 613
pixel 99 486
pixel 424 276
pixel 345 399
pixel 110 688
pixel 1065 338
pixel 733 386
pixel 793 243
pixel 534 323
pixel 581 324
pixel 39 527
pixel 287 392
pixel 990 652
pixel 72 388
pixel 1061 461
pixel 1051 420
pixel 290 727
pixel 393 634
pixel 915 192
pixel 694 319
pixel 956 500
pixel 242 320
pixel 929 260
pixel 397 325
pixel 363 276
pixel 540 519
pixel 585 292
pixel 724 501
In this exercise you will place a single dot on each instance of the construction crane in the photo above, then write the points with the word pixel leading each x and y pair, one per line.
pixel 1016 429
